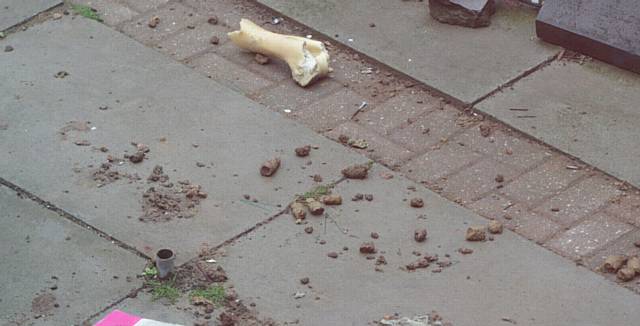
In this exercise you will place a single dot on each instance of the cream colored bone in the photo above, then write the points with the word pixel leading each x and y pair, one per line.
pixel 308 59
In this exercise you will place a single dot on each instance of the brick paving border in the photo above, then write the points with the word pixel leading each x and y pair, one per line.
pixel 540 193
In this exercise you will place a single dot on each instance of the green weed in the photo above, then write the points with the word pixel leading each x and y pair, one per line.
pixel 86 11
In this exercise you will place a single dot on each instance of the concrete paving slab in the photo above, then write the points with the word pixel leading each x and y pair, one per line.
pixel 14 12
pixel 142 305
pixel 461 62
pixel 152 100
pixel 506 278
pixel 589 111
pixel 54 271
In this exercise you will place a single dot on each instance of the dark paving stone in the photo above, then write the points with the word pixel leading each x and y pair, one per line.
pixel 604 30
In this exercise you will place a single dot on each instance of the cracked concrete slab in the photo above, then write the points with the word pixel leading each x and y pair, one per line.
pixel 588 110
pixel 196 129
pixel 14 12
pixel 56 272
pixel 461 62
pixel 509 277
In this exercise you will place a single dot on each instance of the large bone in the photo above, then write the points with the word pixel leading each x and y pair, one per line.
pixel 308 59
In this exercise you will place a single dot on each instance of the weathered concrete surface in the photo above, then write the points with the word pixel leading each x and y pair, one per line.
pixel 14 12
pixel 161 310
pixel 506 278
pixel 461 62
pixel 48 261
pixel 148 97
pixel 589 111
pixel 609 32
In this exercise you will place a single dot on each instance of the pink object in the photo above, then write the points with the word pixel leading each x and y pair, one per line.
pixel 118 318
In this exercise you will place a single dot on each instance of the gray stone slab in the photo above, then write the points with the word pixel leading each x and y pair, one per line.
pixel 160 310
pixel 48 261
pixel 506 278
pixel 608 32
pixel 148 97
pixel 589 111
pixel 461 62
pixel 14 12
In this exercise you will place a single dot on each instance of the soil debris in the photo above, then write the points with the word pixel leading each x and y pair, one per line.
pixel 157 175
pixel 358 171
pixel 485 130
pixel 270 167
pixel 261 59
pixel 163 204
pixel 634 263
pixel 495 227
pixel 8 48
pixel 43 303
pixel 357 197
pixel 298 211
pixel 214 40
pixel 499 178
pixel 368 197
pixel 381 260
pixel 317 178
pixel 368 248
pixel 332 254
pixel 303 151
pixel 83 142
pixel 331 199
pixel 358 143
pixel 61 74
pixel 416 202
pixel 420 235
pixel 422 262
pixel 344 139
pixel 476 233
pixel 308 229
pixel 213 20
pixel 374 235
pixel 137 157
pixel 626 274
pixel 105 175
pixel 315 207
pixel 304 281
pixel 153 22
pixel 613 263
pixel 465 251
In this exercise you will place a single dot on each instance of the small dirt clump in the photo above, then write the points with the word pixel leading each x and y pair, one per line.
pixel 420 235
pixel 162 204
pixel 495 227
pixel 270 167
pixel 499 178
pixel 304 280
pixel 626 274
pixel 422 262
pixel 416 202
pixel 613 263
pixel 308 229
pixel 476 233
pixel 157 175
pixel 465 251
pixel 315 207
pixel 332 254
pixel 298 211
pixel 358 171
pixel 368 248
pixel 153 22
pixel 105 175
pixel 331 199
pixel 368 197
pixel 374 235
pixel 137 157
pixel 303 151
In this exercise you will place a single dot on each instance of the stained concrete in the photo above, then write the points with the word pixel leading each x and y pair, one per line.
pixel 590 111
pixel 14 12
pixel 461 62
pixel 509 277
pixel 48 260
pixel 160 103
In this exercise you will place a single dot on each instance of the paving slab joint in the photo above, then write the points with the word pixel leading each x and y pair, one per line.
pixel 22 192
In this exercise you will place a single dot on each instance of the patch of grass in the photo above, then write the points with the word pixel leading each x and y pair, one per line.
pixel 86 11
pixel 215 294
pixel 318 191
pixel 150 272
pixel 166 289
